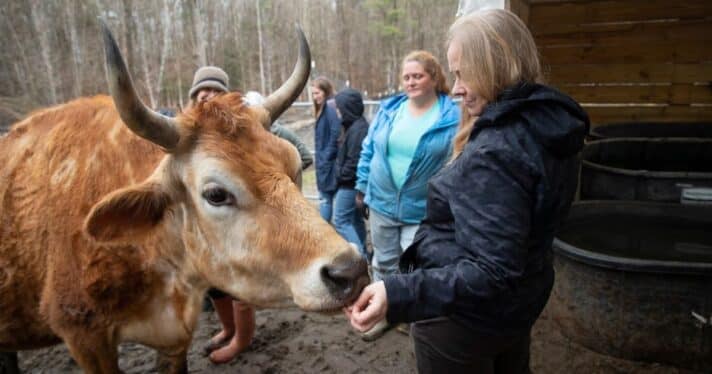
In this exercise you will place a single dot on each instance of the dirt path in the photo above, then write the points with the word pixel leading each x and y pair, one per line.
pixel 291 341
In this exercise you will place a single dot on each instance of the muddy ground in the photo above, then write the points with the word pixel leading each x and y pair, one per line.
pixel 291 341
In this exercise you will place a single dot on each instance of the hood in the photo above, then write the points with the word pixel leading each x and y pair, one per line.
pixel 350 105
pixel 555 119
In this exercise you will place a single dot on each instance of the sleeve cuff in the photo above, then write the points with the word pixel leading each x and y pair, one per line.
pixel 361 187
pixel 399 297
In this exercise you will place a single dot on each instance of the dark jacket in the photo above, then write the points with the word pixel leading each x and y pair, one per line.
pixel 482 256
pixel 350 105
pixel 326 136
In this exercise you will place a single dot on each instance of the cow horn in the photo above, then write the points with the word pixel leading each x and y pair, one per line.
pixel 280 100
pixel 143 121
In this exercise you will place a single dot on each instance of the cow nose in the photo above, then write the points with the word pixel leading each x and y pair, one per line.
pixel 345 276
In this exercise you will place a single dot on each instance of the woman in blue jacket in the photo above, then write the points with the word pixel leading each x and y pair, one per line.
pixel 480 269
pixel 326 136
pixel 409 141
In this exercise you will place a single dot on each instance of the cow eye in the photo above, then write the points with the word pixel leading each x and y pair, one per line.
pixel 218 196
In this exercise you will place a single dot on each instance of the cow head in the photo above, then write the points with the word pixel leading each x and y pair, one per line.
pixel 223 201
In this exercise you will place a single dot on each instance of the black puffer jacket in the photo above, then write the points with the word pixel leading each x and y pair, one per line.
pixel 482 256
pixel 355 127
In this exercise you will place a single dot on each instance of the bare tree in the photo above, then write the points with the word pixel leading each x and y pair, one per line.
pixel 260 44
pixel 39 19
pixel 360 41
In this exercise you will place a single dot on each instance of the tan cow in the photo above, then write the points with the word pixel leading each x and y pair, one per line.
pixel 107 237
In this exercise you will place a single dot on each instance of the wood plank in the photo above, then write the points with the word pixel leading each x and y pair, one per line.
pixel 658 94
pixel 617 11
pixel 629 73
pixel 633 33
pixel 609 114
pixel 680 52
pixel 518 7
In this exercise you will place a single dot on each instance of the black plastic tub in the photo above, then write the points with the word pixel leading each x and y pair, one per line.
pixel 634 280
pixel 649 169
pixel 652 130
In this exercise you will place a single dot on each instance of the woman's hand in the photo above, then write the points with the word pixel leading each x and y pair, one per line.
pixel 370 307
pixel 361 207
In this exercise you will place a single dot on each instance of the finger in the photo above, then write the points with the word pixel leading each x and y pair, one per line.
pixel 363 327
pixel 363 300
pixel 348 311
pixel 366 317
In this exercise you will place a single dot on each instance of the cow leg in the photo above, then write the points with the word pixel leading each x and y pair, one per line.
pixel 173 362
pixel 94 355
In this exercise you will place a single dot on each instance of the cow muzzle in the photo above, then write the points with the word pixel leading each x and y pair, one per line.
pixel 345 277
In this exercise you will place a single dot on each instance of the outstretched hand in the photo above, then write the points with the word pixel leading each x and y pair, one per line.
pixel 370 307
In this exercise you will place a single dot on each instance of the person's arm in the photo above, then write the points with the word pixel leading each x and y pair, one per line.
pixel 306 154
pixel 491 203
pixel 289 135
pixel 364 161
pixel 332 143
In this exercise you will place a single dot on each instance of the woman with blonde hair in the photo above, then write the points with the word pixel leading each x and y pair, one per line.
pixel 409 141
pixel 480 269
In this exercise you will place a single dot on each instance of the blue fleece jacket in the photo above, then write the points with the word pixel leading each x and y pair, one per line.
pixel 374 177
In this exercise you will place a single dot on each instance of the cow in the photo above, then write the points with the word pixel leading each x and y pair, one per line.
pixel 115 220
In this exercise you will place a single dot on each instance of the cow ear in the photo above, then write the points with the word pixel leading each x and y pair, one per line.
pixel 127 214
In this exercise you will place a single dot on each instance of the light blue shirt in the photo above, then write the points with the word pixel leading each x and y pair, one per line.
pixel 405 135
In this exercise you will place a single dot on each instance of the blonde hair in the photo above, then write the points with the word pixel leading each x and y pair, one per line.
pixel 432 66
pixel 325 86
pixel 498 51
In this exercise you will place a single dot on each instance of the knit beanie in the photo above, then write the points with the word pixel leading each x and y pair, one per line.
pixel 209 77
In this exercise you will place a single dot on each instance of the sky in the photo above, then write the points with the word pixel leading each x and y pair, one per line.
pixel 467 6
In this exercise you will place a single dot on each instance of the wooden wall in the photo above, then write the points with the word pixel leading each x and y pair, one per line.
pixel 627 60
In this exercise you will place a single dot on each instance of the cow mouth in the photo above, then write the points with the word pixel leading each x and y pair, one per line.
pixel 349 295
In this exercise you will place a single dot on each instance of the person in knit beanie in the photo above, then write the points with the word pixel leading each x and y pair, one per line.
pixel 236 317
pixel 208 81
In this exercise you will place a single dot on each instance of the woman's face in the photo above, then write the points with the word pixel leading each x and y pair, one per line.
pixel 318 95
pixel 416 81
pixel 471 100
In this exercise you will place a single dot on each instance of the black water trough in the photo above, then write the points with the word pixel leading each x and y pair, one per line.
pixel 652 130
pixel 653 169
pixel 634 280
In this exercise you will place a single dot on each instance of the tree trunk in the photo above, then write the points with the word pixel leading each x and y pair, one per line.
pixel 200 35
pixel 259 43
pixel 144 64
pixel 77 63
pixel 129 27
pixel 39 22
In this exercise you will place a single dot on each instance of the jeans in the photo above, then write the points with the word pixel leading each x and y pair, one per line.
pixel 389 238
pixel 348 222
pixel 326 205
pixel 444 346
